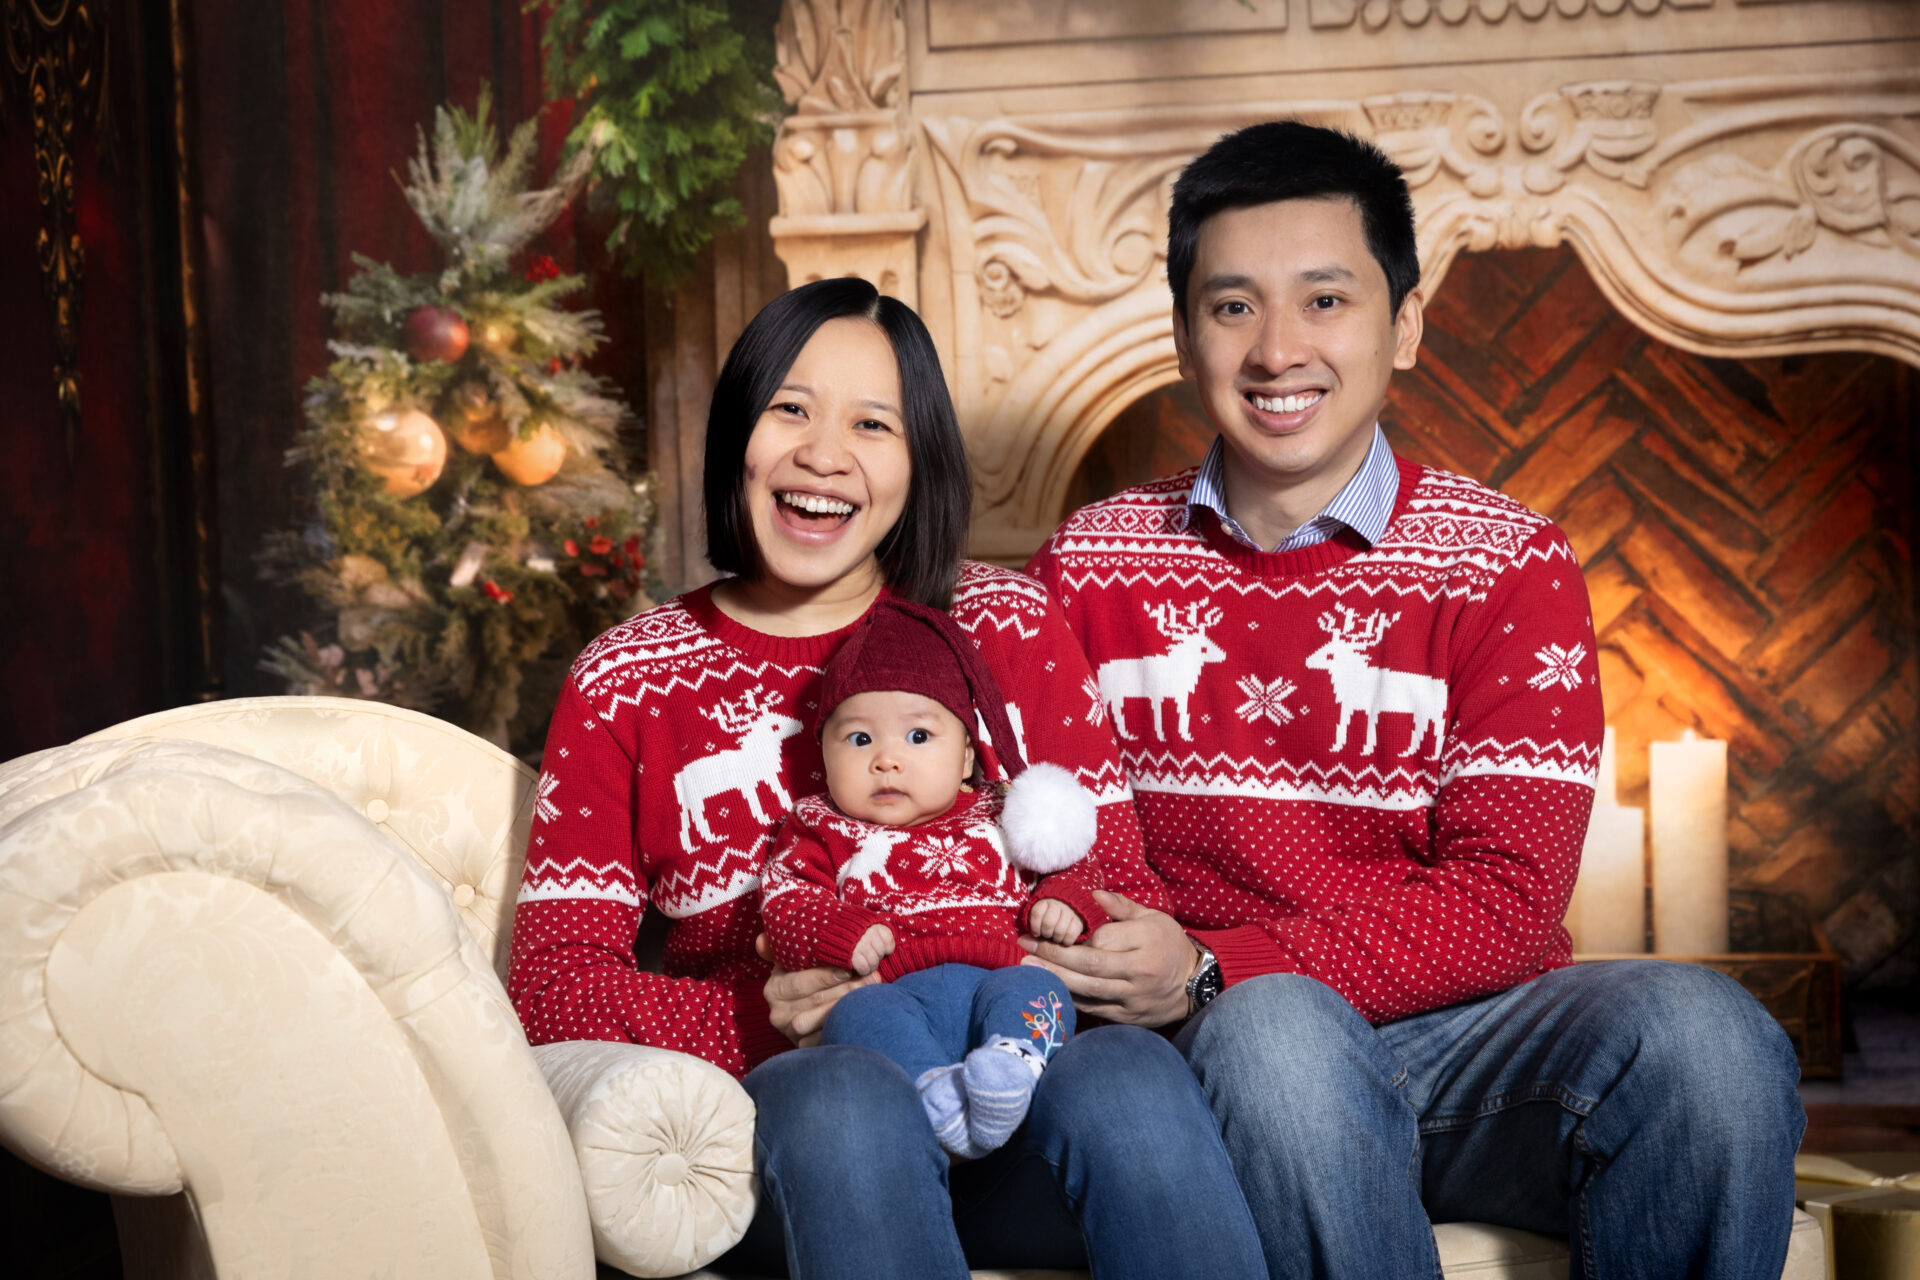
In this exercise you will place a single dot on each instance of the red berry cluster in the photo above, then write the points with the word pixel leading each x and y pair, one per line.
pixel 598 556
pixel 542 268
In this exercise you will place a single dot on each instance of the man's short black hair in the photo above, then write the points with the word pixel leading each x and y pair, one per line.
pixel 920 556
pixel 1289 160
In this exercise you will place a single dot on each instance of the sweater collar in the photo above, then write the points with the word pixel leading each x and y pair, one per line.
pixel 789 651
pixel 1204 524
pixel 1364 504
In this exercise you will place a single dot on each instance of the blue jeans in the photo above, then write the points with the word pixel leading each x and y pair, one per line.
pixel 1119 1163
pixel 1646 1110
pixel 932 1017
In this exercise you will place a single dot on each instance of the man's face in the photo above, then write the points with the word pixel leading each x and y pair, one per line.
pixel 1291 339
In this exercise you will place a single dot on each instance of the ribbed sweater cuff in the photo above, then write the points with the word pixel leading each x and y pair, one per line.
pixel 842 933
pixel 914 954
pixel 1071 892
pixel 758 1038
pixel 1245 951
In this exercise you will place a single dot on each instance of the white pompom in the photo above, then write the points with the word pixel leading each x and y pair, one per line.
pixel 1049 819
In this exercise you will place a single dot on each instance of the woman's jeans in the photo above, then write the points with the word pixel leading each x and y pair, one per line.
pixel 1119 1161
pixel 1646 1110
pixel 932 1017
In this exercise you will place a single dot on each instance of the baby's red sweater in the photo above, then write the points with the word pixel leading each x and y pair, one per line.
pixel 944 888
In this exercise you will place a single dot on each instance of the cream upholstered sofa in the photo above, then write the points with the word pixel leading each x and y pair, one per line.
pixel 250 983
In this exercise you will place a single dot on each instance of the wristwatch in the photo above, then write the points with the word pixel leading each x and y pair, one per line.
pixel 1206 981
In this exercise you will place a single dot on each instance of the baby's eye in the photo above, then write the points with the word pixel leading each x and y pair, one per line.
pixel 918 736
pixel 860 738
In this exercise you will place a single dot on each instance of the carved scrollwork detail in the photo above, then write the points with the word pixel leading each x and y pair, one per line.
pixel 848 147
pixel 1416 130
pixel 1602 125
pixel 56 50
pixel 1854 180
pixel 1371 15
pixel 1085 222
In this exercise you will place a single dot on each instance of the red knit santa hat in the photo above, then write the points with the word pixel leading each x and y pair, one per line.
pixel 1049 819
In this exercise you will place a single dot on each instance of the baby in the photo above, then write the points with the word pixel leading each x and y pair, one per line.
pixel 904 867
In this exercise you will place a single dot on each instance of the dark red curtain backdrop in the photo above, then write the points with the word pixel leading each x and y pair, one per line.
pixel 78 577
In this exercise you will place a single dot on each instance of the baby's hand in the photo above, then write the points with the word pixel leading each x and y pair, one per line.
pixel 1054 921
pixel 876 944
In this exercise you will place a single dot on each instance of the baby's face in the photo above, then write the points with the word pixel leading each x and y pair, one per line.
pixel 894 758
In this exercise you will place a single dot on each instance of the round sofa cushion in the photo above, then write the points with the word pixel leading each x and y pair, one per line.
pixel 664 1142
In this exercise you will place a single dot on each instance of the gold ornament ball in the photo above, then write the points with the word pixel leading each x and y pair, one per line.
pixel 482 431
pixel 496 338
pixel 405 449
pixel 534 460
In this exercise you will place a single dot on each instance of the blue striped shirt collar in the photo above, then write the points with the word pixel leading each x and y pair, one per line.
pixel 1364 505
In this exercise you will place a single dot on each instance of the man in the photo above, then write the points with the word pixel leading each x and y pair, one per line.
pixel 1358 705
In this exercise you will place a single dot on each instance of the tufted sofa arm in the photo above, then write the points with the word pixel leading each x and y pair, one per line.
pixel 218 977
pixel 252 950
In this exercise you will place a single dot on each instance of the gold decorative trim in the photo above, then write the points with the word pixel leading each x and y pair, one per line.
pixel 59 52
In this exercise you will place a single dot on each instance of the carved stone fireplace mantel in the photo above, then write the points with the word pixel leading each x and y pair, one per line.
pixel 1741 177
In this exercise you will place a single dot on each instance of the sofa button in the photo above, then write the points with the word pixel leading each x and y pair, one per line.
pixel 671 1169
pixel 377 810
pixel 463 895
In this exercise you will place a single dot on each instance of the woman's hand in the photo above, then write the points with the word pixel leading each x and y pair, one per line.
pixel 875 945
pixel 1054 921
pixel 798 1002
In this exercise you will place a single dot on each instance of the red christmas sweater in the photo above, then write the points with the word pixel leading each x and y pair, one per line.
pixel 945 888
pixel 676 749
pixel 1370 765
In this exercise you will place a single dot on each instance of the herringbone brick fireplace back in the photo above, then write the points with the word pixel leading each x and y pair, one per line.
pixel 1746 529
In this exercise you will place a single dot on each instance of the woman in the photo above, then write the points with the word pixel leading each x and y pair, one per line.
pixel 835 471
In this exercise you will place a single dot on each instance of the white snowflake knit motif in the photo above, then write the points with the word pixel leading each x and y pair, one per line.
pixel 944 856
pixel 1096 709
pixel 544 808
pixel 1562 667
pixel 1266 700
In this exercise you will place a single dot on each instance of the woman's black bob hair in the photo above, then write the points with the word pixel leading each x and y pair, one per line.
pixel 920 556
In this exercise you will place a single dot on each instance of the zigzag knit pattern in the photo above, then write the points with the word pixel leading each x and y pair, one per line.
pixel 1370 765
pixel 679 744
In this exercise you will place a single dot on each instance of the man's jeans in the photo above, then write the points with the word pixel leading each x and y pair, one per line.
pixel 1119 1145
pixel 1644 1109
pixel 932 1017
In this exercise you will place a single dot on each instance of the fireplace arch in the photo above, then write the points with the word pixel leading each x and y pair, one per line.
pixel 1739 177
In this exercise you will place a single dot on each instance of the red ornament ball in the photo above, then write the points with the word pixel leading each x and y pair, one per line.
pixel 435 333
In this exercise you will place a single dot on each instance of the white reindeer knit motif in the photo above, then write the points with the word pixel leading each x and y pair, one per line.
pixel 1163 677
pixel 755 763
pixel 1360 688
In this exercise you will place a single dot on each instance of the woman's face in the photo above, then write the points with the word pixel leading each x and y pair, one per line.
pixel 826 466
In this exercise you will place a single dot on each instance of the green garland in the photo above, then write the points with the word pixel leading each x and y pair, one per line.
pixel 672 95
pixel 445 585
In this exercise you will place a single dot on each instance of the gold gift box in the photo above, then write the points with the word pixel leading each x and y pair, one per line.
pixel 1868 1207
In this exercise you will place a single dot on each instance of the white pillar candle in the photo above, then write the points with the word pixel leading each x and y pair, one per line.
pixel 1687 791
pixel 1608 915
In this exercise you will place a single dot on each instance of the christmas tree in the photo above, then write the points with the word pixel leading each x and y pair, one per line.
pixel 475 520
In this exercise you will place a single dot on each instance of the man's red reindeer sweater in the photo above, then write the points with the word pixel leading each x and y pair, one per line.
pixel 679 743
pixel 1370 765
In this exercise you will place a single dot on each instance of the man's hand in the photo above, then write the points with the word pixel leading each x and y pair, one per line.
pixel 798 1002
pixel 875 945
pixel 1054 921
pixel 1134 968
